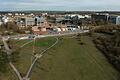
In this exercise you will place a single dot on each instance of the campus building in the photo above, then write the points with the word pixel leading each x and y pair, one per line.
pixel 99 18
pixel 106 18
pixel 114 19
pixel 26 22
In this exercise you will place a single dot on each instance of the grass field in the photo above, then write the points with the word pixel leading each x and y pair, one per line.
pixel 68 60
pixel 71 61
pixel 26 52
pixel 44 42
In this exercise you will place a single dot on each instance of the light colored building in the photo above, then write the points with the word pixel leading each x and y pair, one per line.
pixel 30 21
pixel 5 19
pixel 39 21
pixel 27 21
pixel 79 16
pixel 63 29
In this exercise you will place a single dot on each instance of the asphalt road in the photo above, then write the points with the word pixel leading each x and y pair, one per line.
pixel 26 36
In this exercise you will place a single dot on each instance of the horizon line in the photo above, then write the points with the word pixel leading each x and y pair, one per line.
pixel 63 10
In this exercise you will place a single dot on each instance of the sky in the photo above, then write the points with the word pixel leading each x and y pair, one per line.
pixel 60 5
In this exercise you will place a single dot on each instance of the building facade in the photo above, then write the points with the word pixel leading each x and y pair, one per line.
pixel 97 18
pixel 114 19
pixel 29 21
pixel 106 18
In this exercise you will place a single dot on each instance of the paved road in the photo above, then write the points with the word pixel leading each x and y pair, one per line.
pixel 63 34
pixel 26 36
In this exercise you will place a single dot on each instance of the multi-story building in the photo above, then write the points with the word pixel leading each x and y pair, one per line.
pixel 106 18
pixel 5 19
pixel 98 18
pixel 114 19
pixel 39 21
pixel 26 22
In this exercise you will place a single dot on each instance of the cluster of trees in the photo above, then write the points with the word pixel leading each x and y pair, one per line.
pixel 5 58
pixel 68 20
pixel 8 28
pixel 15 51
pixel 51 19
pixel 99 22
pixel 110 46
pixel 11 28
pixel 3 61
pixel 109 28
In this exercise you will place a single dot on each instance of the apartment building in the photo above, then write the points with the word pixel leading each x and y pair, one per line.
pixel 26 22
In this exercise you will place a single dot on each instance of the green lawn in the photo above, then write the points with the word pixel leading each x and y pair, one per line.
pixel 26 52
pixel 71 61
pixel 44 42
pixel 19 42
pixel 68 60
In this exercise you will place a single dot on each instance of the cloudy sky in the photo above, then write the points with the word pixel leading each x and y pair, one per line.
pixel 62 5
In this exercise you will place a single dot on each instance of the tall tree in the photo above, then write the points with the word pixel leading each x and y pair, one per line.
pixel 3 61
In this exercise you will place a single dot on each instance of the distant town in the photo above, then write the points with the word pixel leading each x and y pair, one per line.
pixel 48 23
pixel 59 45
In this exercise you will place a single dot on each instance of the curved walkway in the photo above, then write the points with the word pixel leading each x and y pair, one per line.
pixel 10 63
pixel 26 43
pixel 37 56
